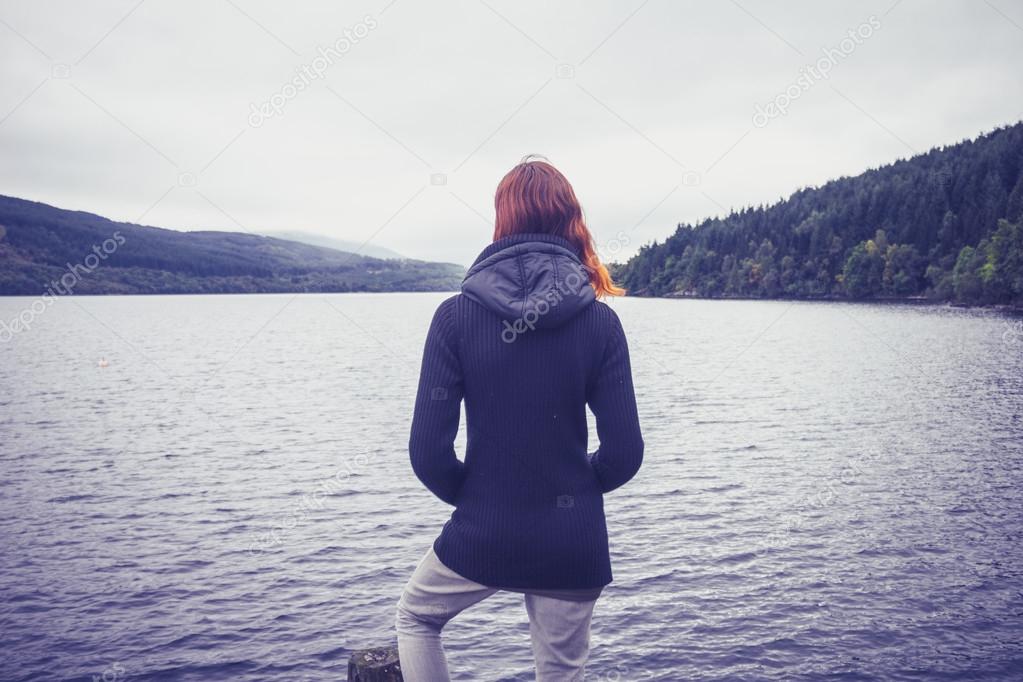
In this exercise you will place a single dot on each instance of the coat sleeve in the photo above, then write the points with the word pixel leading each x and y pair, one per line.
pixel 438 408
pixel 613 401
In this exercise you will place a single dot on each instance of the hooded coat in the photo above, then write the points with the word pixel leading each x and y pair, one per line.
pixel 528 348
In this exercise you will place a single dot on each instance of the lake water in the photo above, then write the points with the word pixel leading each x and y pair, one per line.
pixel 829 491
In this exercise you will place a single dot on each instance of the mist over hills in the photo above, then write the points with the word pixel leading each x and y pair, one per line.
pixel 371 250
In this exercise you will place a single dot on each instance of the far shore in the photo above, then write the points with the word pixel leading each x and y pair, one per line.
pixel 1012 309
pixel 901 300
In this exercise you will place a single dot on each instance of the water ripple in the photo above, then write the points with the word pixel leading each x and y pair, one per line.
pixel 225 503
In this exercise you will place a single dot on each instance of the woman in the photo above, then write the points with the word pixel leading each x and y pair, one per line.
pixel 527 346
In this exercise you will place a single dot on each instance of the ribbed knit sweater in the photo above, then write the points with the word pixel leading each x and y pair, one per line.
pixel 527 348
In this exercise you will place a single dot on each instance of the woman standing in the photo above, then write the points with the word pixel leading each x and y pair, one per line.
pixel 527 346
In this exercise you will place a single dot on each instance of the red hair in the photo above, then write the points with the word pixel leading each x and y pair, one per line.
pixel 535 197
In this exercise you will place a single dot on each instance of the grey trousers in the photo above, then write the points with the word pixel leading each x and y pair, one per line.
pixel 559 628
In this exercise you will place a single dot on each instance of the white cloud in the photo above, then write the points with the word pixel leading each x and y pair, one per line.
pixel 466 88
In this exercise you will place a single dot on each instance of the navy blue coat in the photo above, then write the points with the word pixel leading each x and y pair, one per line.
pixel 527 347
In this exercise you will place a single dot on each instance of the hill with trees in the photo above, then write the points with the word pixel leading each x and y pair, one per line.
pixel 41 245
pixel 945 225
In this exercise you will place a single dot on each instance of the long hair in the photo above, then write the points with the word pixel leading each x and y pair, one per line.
pixel 535 197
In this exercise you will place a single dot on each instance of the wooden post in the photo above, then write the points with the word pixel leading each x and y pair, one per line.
pixel 375 665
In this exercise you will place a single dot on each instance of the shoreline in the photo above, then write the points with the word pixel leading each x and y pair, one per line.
pixel 893 300
pixel 1016 309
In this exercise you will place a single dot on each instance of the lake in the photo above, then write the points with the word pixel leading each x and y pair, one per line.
pixel 218 488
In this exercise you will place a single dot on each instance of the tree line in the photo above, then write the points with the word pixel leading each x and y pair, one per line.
pixel 945 225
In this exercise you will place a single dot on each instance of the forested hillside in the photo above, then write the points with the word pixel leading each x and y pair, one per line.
pixel 41 245
pixel 945 224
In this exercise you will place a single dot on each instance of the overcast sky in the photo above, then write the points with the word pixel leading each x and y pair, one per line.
pixel 155 111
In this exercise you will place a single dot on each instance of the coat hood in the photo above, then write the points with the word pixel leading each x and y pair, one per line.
pixel 532 280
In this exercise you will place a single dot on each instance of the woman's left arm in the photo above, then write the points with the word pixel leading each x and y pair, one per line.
pixel 438 407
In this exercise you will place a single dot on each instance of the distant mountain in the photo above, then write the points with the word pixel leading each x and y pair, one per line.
pixel 339 244
pixel 947 224
pixel 43 248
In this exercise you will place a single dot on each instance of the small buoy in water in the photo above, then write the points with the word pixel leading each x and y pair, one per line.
pixel 103 362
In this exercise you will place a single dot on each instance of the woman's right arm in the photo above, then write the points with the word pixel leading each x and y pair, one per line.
pixel 613 401
pixel 438 407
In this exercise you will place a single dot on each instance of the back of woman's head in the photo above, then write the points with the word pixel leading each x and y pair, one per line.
pixel 535 197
